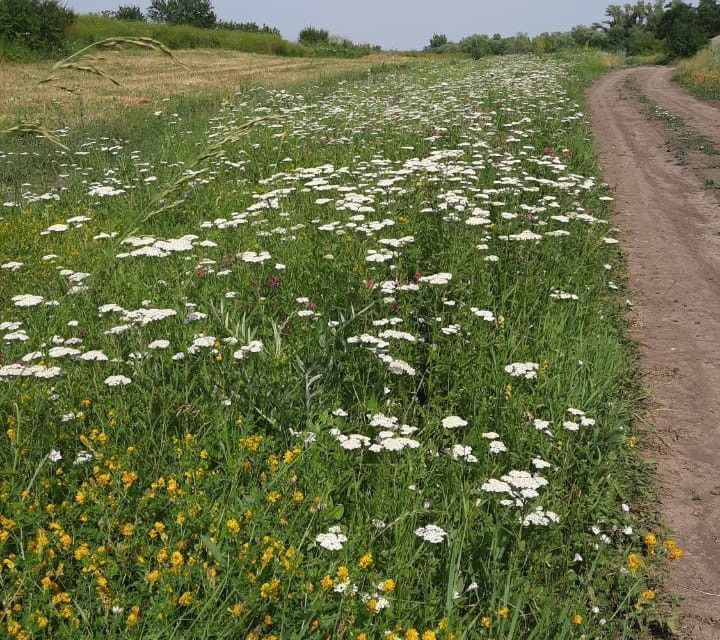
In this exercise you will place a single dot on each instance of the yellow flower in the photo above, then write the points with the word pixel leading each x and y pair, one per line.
pixel 270 589
pixel 127 529
pixel 236 610
pixel 153 576
pixel 650 539
pixel 361 636
pixel 343 573
pixel 577 619
pixel 133 616
pixel 428 635
pixel 372 606
pixel 634 562
pixel 675 553
pixel 366 561
pixel 233 525
pixel 298 496
pixel 485 622
pixel 412 634
pixel 326 582
pixel 388 586
pixel 186 598
pixel 503 612
pixel 128 477
pixel 648 594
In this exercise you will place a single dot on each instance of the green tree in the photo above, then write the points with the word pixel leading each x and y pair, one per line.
pixel 313 36
pixel 130 13
pixel 709 14
pixel 682 30
pixel 438 40
pixel 198 13
pixel 38 25
pixel 476 46
pixel 623 22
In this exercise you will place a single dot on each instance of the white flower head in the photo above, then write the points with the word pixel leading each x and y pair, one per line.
pixel 453 422
pixel 333 540
pixel 431 533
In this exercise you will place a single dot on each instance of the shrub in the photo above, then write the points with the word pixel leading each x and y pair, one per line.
pixel 35 25
pixel 248 27
pixel 438 40
pixel 130 13
pixel 313 36
pixel 198 13
pixel 683 31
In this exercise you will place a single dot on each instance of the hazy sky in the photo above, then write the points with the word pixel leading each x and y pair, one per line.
pixel 398 24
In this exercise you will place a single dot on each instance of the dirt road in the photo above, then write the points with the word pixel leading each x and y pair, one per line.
pixel 670 222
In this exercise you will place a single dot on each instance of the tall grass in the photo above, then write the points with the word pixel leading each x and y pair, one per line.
pixel 89 28
pixel 701 73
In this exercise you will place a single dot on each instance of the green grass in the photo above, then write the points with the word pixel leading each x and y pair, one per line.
pixel 89 28
pixel 213 477
pixel 701 74
pixel 92 28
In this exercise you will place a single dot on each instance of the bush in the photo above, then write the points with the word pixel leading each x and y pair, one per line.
pixel 312 36
pixel 438 40
pixel 198 13
pixel 88 29
pixel 130 13
pixel 683 31
pixel 35 25
pixel 248 27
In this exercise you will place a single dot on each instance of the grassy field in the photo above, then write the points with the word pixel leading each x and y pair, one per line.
pixel 701 74
pixel 353 370
pixel 150 79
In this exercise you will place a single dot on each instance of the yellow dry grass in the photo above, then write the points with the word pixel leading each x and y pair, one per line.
pixel 146 79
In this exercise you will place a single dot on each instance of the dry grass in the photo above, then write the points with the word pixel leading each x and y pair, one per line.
pixel 146 78
pixel 701 73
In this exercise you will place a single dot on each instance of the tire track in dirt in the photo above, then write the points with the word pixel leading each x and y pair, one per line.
pixel 671 238
pixel 701 117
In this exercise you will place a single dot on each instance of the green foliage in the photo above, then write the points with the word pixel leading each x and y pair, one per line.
pixel 438 40
pixel 37 26
pixel 249 27
pixel 701 73
pixel 131 13
pixel 709 14
pixel 88 29
pixel 313 36
pixel 197 13
pixel 682 30
pixel 211 478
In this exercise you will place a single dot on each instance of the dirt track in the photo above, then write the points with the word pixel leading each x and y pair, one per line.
pixel 670 223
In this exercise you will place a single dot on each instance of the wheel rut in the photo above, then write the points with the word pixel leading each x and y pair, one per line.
pixel 670 233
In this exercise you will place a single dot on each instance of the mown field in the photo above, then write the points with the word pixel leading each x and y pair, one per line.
pixel 356 371
pixel 147 79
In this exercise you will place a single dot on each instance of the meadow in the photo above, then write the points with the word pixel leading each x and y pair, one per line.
pixel 339 360
pixel 701 73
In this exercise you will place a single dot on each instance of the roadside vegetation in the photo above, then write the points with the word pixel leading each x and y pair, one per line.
pixel 701 73
pixel 341 359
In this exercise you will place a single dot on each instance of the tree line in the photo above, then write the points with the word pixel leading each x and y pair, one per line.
pixel 675 28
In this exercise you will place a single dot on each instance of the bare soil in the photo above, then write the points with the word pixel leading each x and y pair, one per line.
pixel 669 216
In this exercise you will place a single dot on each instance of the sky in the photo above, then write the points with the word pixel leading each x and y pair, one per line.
pixel 397 24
